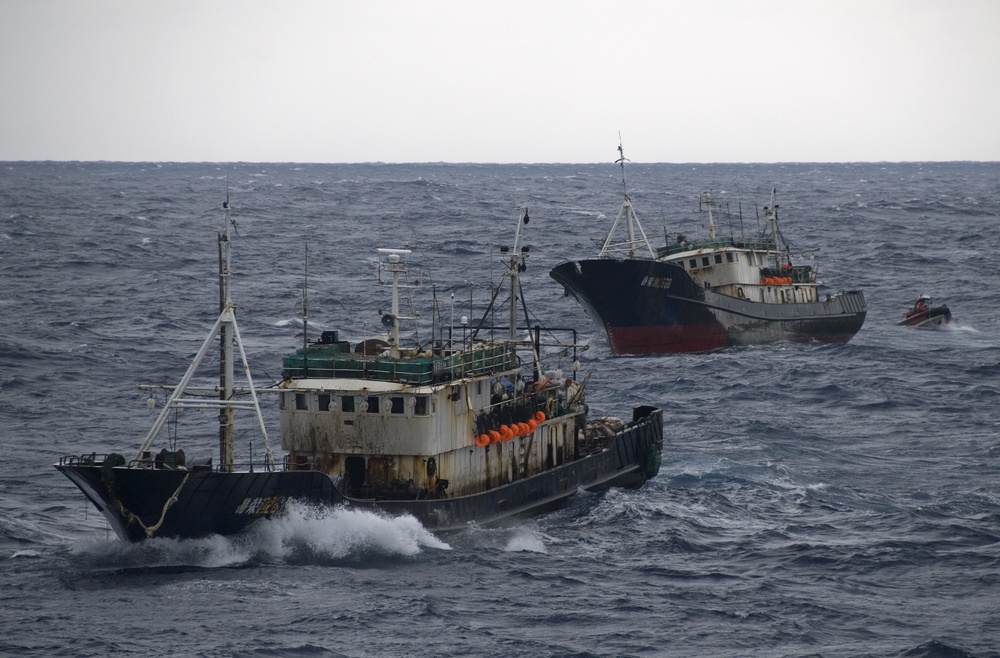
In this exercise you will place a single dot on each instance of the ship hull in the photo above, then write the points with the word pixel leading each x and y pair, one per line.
pixel 652 307
pixel 141 503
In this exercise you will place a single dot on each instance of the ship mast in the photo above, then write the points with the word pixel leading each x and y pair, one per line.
pixel 772 220
pixel 515 265
pixel 227 422
pixel 627 214
pixel 228 333
pixel 514 269
pixel 397 267
pixel 518 264
pixel 708 201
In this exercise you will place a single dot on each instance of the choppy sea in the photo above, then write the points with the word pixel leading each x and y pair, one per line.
pixel 814 500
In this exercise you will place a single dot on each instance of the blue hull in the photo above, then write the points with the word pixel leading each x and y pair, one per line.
pixel 651 307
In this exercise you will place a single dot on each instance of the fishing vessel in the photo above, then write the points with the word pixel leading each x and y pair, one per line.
pixel 452 431
pixel 694 295
pixel 923 315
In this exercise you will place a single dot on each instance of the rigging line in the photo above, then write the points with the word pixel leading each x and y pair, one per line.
pixel 489 307
pixel 527 320
pixel 435 313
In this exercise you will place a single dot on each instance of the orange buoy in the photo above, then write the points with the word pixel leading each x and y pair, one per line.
pixel 525 430
pixel 482 440
pixel 532 425
pixel 494 436
pixel 539 416
pixel 506 433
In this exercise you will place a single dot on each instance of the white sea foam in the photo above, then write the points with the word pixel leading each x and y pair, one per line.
pixel 25 553
pixel 340 532
pixel 525 540
pixel 303 533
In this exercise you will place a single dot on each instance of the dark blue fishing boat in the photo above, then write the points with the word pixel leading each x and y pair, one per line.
pixel 705 294
pixel 451 432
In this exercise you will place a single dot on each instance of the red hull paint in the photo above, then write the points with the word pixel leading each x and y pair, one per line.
pixel 667 339
pixel 693 338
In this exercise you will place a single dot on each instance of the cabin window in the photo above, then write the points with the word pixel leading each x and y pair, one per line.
pixel 704 261
pixel 420 408
pixel 347 404
pixel 729 257
pixel 324 401
pixel 373 404
pixel 718 259
pixel 301 402
pixel 396 405
pixel 693 263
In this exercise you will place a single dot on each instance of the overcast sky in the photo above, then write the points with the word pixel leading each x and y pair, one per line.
pixel 500 81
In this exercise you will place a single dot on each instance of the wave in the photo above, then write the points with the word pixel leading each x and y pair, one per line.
pixel 303 535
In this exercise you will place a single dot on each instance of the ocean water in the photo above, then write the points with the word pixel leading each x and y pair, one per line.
pixel 814 500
